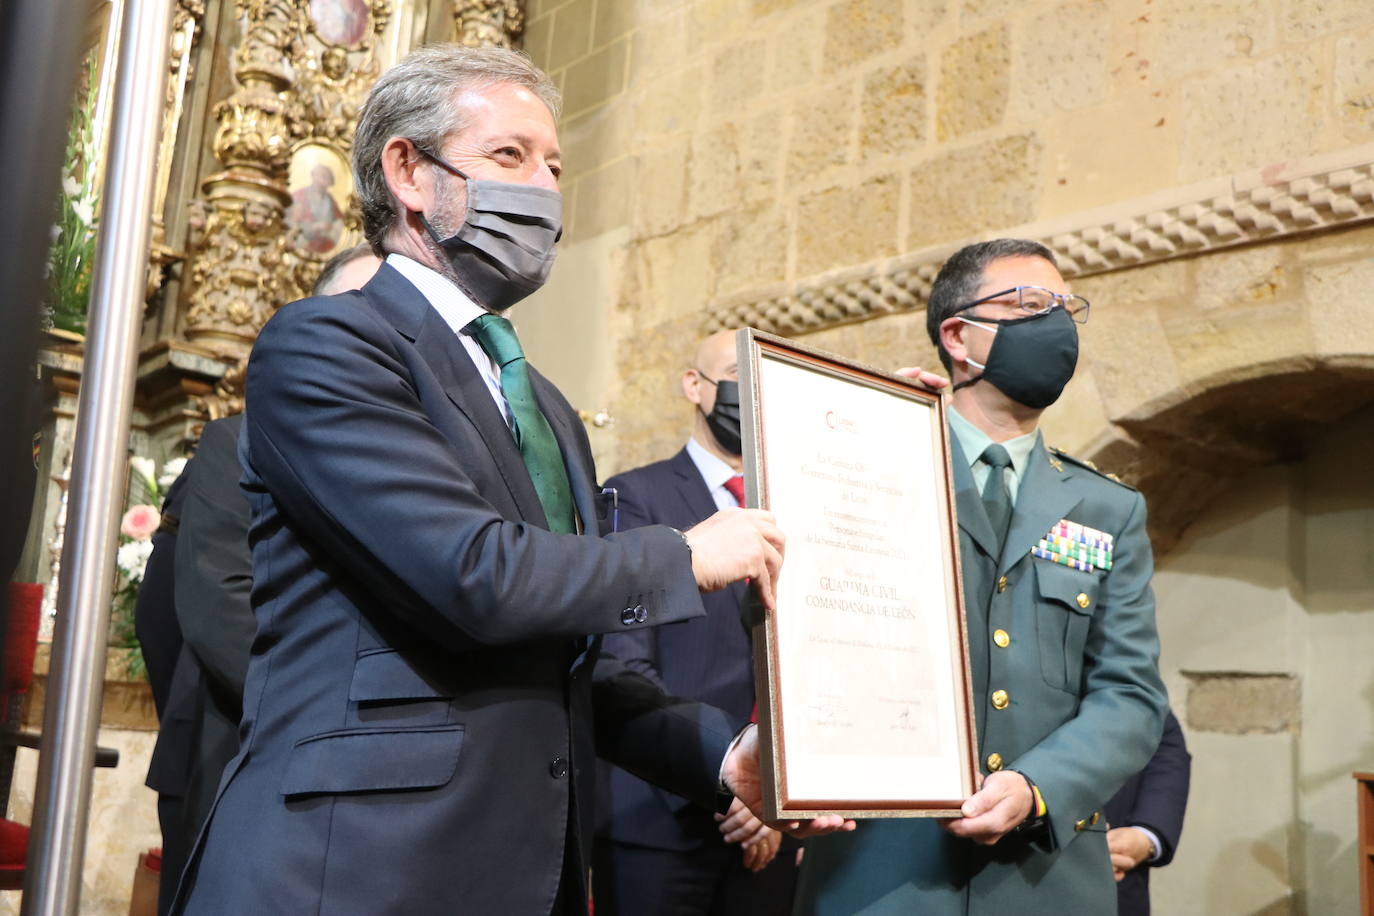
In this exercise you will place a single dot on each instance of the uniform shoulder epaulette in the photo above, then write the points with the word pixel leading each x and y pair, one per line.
pixel 1057 453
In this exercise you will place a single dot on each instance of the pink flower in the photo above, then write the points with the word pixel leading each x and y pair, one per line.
pixel 140 522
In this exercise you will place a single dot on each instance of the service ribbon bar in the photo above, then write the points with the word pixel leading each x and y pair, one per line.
pixel 1077 546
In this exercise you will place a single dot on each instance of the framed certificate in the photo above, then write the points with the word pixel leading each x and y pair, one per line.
pixel 862 672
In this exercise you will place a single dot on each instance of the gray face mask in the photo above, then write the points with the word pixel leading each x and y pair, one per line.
pixel 505 247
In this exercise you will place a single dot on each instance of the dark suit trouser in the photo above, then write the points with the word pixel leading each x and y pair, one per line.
pixel 171 816
pixel 1133 893
pixel 709 881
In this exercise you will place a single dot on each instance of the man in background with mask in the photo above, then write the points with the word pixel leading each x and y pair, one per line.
pixel 420 715
pixel 1061 626
pixel 656 852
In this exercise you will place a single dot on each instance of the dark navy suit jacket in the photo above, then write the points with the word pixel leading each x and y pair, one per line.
pixel 155 619
pixel 418 733
pixel 706 658
pixel 207 603
pixel 1155 798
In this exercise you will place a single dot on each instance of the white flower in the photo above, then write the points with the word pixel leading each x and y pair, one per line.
pixel 84 211
pixel 132 559
pixel 55 234
pixel 144 468
pixel 170 472
pixel 69 186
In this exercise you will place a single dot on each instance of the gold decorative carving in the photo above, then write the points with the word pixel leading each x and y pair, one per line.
pixel 332 79
pixel 488 23
pixel 296 83
pixel 1323 192
pixel 227 398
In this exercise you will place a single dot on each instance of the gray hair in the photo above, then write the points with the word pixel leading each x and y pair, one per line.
pixel 415 100
pixel 959 279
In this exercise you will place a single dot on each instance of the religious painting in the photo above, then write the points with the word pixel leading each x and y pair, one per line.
pixel 319 184
pixel 340 22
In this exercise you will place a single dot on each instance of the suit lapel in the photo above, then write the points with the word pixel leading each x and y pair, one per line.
pixel 691 487
pixel 581 478
pixel 968 502
pixel 1042 499
pixel 410 313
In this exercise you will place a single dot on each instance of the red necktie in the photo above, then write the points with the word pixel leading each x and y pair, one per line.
pixel 736 487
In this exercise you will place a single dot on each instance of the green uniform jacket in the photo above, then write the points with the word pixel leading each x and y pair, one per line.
pixel 1086 706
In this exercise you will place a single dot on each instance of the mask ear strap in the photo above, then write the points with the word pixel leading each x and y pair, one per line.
pixel 969 381
pixel 429 228
pixel 441 162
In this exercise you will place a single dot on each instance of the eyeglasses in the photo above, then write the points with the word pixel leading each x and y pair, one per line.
pixel 1036 300
pixel 713 381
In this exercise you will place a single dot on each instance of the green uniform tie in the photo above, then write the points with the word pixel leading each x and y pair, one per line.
pixel 996 497
pixel 533 435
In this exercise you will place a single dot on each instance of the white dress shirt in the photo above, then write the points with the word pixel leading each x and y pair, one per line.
pixel 457 310
pixel 715 472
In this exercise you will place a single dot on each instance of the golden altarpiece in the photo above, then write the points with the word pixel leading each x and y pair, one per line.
pixel 254 194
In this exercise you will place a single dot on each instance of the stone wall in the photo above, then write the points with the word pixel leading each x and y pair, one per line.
pixel 1265 618
pixel 1203 167
pixel 725 147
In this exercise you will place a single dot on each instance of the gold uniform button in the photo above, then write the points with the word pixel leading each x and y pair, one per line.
pixel 1079 825
pixel 1097 816
pixel 1002 584
pixel 1083 599
pixel 1002 638
pixel 994 762
pixel 1000 699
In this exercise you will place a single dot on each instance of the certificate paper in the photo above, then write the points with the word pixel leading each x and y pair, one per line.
pixel 864 688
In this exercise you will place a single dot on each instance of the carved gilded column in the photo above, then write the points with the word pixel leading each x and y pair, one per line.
pixel 488 23
pixel 188 17
pixel 303 68
pixel 237 276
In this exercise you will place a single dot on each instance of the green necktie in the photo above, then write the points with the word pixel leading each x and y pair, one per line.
pixel 533 435
pixel 996 496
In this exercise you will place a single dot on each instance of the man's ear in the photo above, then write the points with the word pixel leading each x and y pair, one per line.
pixel 952 339
pixel 408 183
pixel 691 386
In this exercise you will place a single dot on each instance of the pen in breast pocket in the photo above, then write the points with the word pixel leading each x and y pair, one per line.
pixel 612 496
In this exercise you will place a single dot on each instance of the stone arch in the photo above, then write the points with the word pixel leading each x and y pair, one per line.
pixel 1183 454
pixel 1207 367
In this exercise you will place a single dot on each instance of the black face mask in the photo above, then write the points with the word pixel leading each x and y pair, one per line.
pixel 1031 359
pixel 723 420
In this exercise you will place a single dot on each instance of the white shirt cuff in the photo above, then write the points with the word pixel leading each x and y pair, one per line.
pixel 1154 840
pixel 721 787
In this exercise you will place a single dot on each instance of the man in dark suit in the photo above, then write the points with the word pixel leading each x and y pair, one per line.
pixel 194 620
pixel 418 731
pixel 655 851
pixel 163 649
pixel 155 623
pixel 1063 649
pixel 1146 819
